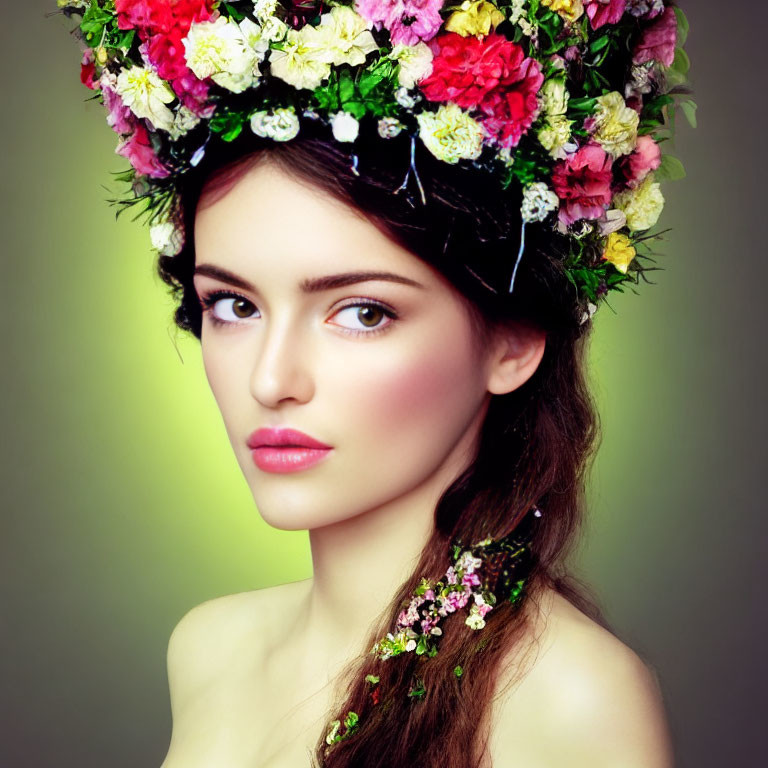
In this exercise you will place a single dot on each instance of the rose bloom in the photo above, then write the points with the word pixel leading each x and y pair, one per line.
pixel 658 41
pixel 602 12
pixel 583 183
pixel 646 158
pixel 139 152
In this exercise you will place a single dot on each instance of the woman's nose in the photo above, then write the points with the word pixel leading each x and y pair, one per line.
pixel 281 371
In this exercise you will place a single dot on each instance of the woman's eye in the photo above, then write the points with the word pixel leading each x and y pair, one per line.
pixel 227 308
pixel 365 318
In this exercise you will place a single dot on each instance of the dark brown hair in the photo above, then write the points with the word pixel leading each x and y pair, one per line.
pixel 535 447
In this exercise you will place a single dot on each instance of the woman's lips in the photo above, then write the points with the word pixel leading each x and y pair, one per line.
pixel 281 460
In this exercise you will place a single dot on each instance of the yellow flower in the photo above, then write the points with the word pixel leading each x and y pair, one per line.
pixel 642 205
pixel 616 124
pixel 619 251
pixel 570 10
pixel 450 134
pixel 476 17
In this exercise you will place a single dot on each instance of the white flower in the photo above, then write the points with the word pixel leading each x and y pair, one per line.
pixel 166 238
pixel 301 63
pixel 410 645
pixel 345 126
pixel 347 37
pixel 516 10
pixel 538 202
pixel 183 122
pixel 146 94
pixel 218 49
pixel 389 127
pixel 616 124
pixel 474 620
pixel 282 124
pixel 588 314
pixel 415 62
pixel 450 134
pixel 406 98
pixel 254 37
pixel 642 205
pixel 274 29
pixel 554 96
pixel 263 9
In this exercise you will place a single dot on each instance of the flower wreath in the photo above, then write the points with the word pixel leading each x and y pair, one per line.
pixel 570 99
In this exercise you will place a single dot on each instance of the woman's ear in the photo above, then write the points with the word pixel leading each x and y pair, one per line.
pixel 514 356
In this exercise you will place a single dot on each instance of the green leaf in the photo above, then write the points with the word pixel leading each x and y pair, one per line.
pixel 682 26
pixel 689 110
pixel 458 671
pixel 346 87
pixel 599 43
pixel 671 169
pixel 234 13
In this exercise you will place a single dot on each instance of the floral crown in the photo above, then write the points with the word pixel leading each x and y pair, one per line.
pixel 568 99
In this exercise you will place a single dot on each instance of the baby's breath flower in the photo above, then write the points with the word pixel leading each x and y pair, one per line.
pixel 183 122
pixel 146 94
pixel 407 98
pixel 450 134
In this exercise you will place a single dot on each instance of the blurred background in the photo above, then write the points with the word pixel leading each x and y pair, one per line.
pixel 123 505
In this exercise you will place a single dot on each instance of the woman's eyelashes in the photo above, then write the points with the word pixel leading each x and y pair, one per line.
pixel 362 317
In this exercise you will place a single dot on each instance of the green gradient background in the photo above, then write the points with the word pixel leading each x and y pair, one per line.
pixel 123 505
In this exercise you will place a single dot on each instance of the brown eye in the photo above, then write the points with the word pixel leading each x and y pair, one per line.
pixel 242 308
pixel 370 316
pixel 364 317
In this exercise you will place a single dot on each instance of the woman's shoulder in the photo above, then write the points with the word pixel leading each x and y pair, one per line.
pixel 585 698
pixel 211 636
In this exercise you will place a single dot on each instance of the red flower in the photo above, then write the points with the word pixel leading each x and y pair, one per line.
pixel 637 165
pixel 88 69
pixel 583 183
pixel 151 17
pixel 492 74
pixel 658 41
pixel 604 11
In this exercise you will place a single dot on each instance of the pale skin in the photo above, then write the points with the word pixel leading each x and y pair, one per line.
pixel 400 402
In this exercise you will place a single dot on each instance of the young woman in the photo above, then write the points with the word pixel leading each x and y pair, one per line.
pixel 400 363
pixel 430 407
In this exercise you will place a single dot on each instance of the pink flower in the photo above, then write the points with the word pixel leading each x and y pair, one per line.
pixel 492 74
pixel 408 21
pixel 646 158
pixel 604 11
pixel 483 609
pixel 658 41
pixel 450 575
pixel 193 94
pixel 151 17
pixel 470 580
pixel 583 183
pixel 139 152
pixel 119 117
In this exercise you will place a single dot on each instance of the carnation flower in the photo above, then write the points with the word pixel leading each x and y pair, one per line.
pixel 583 183
pixel 218 49
pixel 555 137
pixel 119 117
pixel 642 205
pixel 492 74
pixel 147 95
pixel 415 62
pixel 302 62
pixel 254 37
pixel 645 158
pixel 345 126
pixel 619 251
pixel 602 12
pixel 346 36
pixel 475 17
pixel 138 149
pixel 88 68
pixel 166 238
pixel 408 21
pixel 450 134
pixel 538 202
pixel 569 10
pixel 615 124
pixel 658 41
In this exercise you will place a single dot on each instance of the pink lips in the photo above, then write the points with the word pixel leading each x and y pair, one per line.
pixel 285 450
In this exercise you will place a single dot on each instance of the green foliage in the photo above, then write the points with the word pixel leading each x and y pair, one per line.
pixel 671 169
pixel 369 91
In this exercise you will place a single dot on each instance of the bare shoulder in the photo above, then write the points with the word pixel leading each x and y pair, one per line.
pixel 587 699
pixel 211 644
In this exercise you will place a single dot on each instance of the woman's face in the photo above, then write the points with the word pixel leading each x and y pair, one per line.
pixel 385 370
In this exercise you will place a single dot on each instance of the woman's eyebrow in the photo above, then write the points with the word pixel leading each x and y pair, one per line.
pixel 310 285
